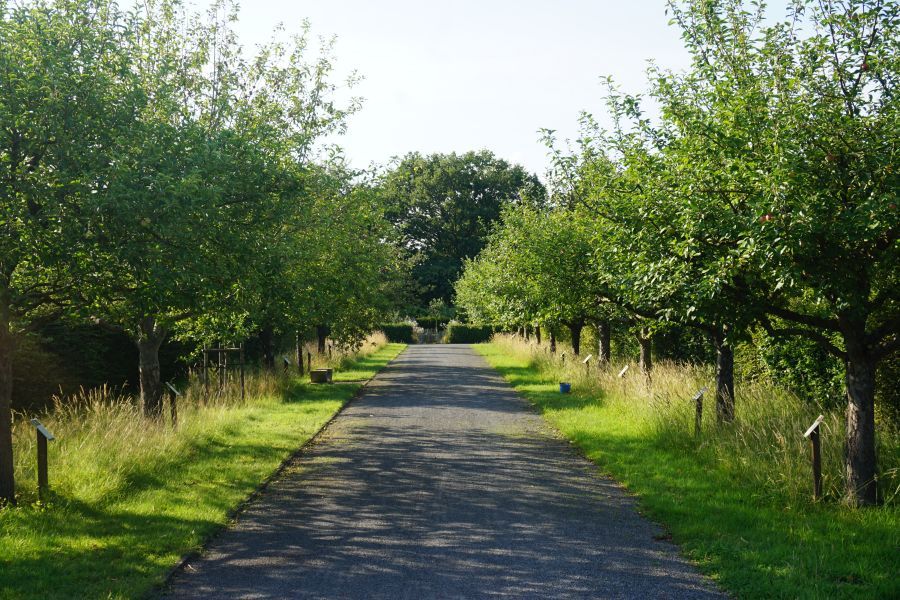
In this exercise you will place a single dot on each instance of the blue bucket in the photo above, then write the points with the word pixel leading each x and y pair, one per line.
pixel 565 388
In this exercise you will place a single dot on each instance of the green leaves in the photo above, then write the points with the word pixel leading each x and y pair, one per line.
pixel 444 207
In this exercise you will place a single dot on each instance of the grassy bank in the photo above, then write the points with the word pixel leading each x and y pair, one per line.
pixel 131 497
pixel 735 499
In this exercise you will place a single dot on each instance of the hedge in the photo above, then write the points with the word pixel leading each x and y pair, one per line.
pixel 398 333
pixel 432 322
pixel 460 333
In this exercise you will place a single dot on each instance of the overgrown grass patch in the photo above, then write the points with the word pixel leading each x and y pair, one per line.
pixel 130 498
pixel 712 496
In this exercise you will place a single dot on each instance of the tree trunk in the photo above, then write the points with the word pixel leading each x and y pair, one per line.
pixel 537 334
pixel 267 341
pixel 724 377
pixel 7 475
pixel 603 349
pixel 525 329
pixel 321 335
pixel 575 331
pixel 646 357
pixel 552 340
pixel 860 460
pixel 149 340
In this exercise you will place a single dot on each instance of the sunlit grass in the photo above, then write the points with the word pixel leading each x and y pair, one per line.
pixel 738 498
pixel 130 496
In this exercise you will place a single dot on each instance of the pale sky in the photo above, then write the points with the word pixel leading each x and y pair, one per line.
pixel 466 75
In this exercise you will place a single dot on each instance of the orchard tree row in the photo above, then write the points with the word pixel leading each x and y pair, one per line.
pixel 157 180
pixel 763 195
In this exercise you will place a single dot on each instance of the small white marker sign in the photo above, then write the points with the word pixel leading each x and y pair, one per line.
pixel 588 359
pixel 699 394
pixel 623 371
pixel 172 387
pixel 812 427
pixel 43 430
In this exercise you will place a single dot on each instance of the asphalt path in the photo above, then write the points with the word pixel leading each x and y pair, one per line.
pixel 441 482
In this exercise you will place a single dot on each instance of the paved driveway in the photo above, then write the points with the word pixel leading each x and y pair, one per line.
pixel 440 482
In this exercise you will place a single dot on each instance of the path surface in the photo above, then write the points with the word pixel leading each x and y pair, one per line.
pixel 440 482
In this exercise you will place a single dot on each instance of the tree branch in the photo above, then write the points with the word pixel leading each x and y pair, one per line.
pixel 807 333
pixel 808 320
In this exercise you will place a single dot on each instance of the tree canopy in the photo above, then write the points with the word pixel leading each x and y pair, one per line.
pixel 444 205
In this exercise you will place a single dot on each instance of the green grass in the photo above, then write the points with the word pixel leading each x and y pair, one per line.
pixel 755 542
pixel 131 498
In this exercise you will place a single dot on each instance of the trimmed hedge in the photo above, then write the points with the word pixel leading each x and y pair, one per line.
pixel 398 333
pixel 432 322
pixel 461 333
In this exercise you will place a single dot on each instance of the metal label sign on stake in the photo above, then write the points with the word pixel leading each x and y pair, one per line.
pixel 623 371
pixel 42 430
pixel 43 436
pixel 172 388
pixel 699 394
pixel 813 427
pixel 815 440
pixel 588 359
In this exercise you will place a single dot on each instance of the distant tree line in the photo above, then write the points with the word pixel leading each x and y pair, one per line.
pixel 443 207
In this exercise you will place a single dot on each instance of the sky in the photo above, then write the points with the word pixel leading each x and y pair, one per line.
pixel 467 75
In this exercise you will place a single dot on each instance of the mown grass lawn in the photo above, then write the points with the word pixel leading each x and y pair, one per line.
pixel 124 543
pixel 741 537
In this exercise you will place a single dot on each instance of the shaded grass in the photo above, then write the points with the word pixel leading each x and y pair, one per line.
pixel 118 535
pixel 756 543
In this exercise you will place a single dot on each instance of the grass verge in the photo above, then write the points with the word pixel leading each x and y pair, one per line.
pixel 755 543
pixel 131 498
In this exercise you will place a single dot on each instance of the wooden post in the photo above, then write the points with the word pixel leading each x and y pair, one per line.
pixel 243 393
pixel 173 404
pixel 587 363
pixel 698 412
pixel 813 434
pixel 206 372
pixel 43 477
pixel 43 436
pixel 223 368
pixel 299 353
pixel 309 361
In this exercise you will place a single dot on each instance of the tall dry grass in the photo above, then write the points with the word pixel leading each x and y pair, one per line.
pixel 103 437
pixel 764 447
